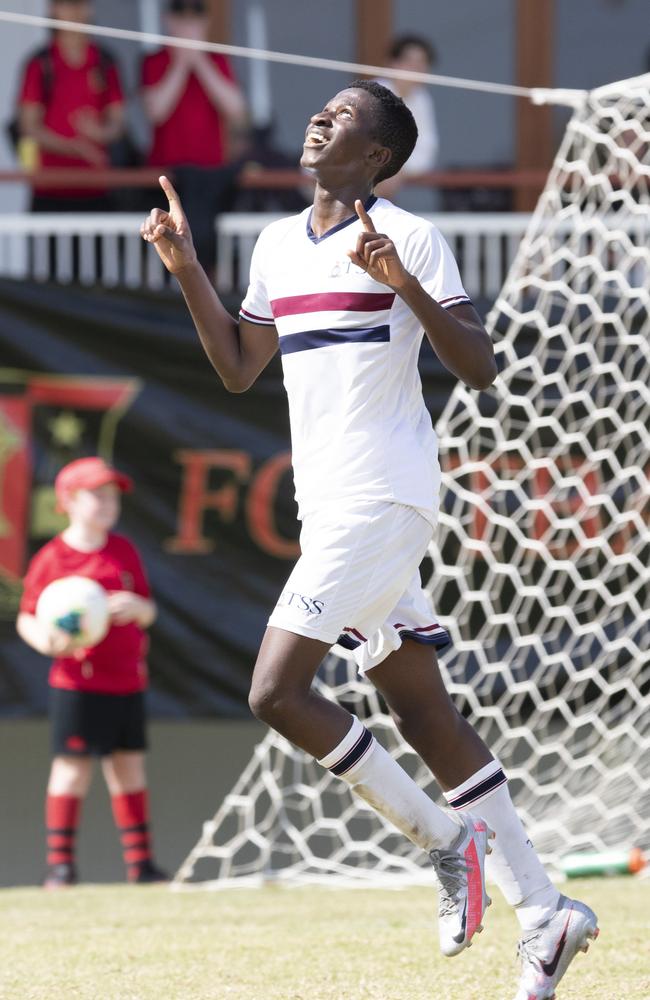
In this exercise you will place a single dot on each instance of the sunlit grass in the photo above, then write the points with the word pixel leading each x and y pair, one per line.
pixel 147 943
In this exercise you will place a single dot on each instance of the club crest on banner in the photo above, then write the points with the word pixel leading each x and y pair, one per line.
pixel 47 421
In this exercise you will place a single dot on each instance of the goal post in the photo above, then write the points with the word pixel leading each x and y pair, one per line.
pixel 540 567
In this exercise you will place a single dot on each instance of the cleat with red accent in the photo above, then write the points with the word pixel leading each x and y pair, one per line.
pixel 547 952
pixel 460 873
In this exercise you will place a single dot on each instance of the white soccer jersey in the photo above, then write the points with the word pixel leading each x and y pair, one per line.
pixel 349 345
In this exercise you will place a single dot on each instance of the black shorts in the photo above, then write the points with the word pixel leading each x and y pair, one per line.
pixel 84 722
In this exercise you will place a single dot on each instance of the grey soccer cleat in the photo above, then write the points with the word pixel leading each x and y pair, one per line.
pixel 547 952
pixel 460 872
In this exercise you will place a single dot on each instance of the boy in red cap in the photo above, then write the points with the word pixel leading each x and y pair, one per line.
pixel 97 696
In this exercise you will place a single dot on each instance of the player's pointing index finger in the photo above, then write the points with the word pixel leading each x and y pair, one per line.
pixel 366 221
pixel 168 188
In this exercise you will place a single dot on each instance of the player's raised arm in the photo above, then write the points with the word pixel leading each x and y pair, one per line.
pixel 237 351
pixel 457 335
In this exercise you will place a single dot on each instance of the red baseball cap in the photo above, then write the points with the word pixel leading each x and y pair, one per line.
pixel 88 474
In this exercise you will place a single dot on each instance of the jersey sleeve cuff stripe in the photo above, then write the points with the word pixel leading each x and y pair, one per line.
pixel 253 318
pixel 454 300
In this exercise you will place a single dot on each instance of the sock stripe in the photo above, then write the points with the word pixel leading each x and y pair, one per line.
pixel 135 839
pixel 130 808
pixel 354 755
pixel 134 854
pixel 135 828
pixel 59 857
pixel 59 840
pixel 62 814
pixel 479 791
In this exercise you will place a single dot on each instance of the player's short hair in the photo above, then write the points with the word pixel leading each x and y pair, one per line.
pixel 393 126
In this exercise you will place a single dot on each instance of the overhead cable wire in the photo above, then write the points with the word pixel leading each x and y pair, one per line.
pixel 538 95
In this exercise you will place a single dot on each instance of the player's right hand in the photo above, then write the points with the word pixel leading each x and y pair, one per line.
pixel 170 232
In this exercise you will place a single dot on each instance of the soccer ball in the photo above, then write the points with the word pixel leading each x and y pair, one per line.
pixel 78 606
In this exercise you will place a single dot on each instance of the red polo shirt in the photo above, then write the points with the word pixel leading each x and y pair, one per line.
pixel 64 91
pixel 117 664
pixel 195 132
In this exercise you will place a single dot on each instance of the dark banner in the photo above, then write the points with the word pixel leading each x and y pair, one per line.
pixel 87 371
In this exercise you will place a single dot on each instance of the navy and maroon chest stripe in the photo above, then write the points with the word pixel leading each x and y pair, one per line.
pixel 351 302
pixel 294 305
pixel 308 340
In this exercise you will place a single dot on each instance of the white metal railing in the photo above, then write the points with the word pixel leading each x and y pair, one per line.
pixel 106 249
pixel 484 244
pixel 103 248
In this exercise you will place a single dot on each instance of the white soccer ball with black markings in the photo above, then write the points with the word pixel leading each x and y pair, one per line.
pixel 76 605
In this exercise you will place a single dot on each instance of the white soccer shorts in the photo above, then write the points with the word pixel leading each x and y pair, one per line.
pixel 357 583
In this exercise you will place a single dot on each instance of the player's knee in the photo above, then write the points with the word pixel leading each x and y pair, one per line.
pixel 69 775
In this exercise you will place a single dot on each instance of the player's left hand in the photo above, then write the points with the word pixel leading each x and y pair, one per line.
pixel 376 253
pixel 124 607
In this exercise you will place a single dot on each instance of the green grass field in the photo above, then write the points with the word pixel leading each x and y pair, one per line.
pixel 130 943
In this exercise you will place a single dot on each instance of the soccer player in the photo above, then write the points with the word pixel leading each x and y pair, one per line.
pixel 97 700
pixel 345 290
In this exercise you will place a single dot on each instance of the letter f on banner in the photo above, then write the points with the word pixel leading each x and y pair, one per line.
pixel 196 497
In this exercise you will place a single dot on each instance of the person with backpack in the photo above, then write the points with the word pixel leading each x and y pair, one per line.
pixel 71 107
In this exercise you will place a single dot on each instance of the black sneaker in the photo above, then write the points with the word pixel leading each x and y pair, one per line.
pixel 146 873
pixel 60 876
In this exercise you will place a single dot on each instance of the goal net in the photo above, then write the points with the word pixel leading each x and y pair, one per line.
pixel 540 566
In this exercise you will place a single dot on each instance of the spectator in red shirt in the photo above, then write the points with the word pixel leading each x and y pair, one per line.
pixel 97 696
pixel 193 102
pixel 190 97
pixel 71 106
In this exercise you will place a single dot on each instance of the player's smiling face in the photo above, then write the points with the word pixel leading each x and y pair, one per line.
pixel 340 136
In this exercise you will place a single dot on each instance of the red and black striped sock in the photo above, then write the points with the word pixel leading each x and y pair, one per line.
pixel 131 814
pixel 62 814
